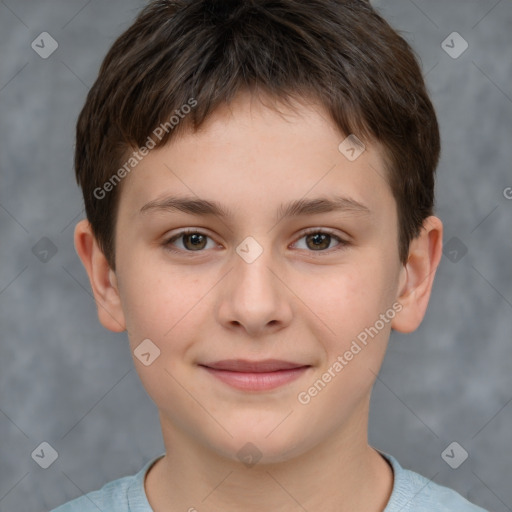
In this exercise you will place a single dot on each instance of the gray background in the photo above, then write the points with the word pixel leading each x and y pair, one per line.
pixel 66 380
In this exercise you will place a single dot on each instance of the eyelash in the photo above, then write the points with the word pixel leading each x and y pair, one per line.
pixel 342 243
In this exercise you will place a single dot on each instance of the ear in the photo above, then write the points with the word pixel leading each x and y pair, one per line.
pixel 417 275
pixel 103 280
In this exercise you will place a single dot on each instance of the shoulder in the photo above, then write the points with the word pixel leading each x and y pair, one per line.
pixel 112 497
pixel 125 494
pixel 415 493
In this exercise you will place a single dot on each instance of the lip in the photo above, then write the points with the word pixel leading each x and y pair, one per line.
pixel 255 375
pixel 244 365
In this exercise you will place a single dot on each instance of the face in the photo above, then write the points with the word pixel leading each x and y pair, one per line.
pixel 249 283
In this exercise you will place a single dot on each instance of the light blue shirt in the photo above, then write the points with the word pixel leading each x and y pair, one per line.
pixel 411 493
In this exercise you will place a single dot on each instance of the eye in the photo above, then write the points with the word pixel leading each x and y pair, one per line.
pixel 192 241
pixel 318 240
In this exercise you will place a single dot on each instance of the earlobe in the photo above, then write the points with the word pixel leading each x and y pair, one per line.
pixel 102 278
pixel 417 275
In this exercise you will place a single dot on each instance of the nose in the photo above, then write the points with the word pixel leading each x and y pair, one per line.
pixel 254 297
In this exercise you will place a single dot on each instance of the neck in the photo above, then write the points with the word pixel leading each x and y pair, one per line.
pixel 341 473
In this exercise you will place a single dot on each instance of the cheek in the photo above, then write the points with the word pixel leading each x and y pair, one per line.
pixel 165 304
pixel 158 304
pixel 352 334
pixel 164 308
pixel 347 299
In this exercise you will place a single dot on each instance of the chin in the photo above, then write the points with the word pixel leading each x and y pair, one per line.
pixel 262 445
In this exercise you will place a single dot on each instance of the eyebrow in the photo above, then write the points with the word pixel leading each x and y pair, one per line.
pixel 195 206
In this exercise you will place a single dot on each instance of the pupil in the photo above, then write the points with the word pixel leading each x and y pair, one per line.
pixel 319 240
pixel 195 239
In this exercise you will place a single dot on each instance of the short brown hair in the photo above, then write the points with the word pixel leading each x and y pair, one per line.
pixel 340 53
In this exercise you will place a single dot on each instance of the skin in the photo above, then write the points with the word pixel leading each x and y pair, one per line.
pixel 294 302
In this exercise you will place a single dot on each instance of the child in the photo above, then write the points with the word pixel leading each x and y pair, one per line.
pixel 258 179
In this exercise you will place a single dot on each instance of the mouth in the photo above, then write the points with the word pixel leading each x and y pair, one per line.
pixel 255 375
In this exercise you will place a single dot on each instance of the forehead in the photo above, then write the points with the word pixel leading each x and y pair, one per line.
pixel 250 153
